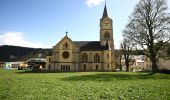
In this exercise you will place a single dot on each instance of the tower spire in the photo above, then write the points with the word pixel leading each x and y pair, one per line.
pixel 105 11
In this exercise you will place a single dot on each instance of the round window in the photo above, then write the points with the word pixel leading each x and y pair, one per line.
pixel 65 54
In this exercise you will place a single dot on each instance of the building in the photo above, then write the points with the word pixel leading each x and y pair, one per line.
pixel 1 64
pixel 11 65
pixel 163 62
pixel 39 63
pixel 69 55
pixel 136 63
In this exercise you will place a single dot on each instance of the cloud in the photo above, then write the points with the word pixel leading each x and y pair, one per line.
pixel 91 3
pixel 17 39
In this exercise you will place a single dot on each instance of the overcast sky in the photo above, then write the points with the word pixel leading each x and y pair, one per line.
pixel 42 23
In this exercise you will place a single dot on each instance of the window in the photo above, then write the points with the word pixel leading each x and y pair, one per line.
pixel 49 67
pixel 65 67
pixel 107 55
pixel 65 54
pixel 49 59
pixel 61 67
pixel 68 67
pixel 84 57
pixel 108 66
pixel 84 66
pixel 97 67
pixel 96 57
pixel 66 46
pixel 107 34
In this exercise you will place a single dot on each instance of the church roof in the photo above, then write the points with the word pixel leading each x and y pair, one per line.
pixel 105 12
pixel 90 46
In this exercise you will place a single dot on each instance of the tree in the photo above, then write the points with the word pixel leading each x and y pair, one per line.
pixel 118 56
pixel 168 51
pixel 149 25
pixel 126 49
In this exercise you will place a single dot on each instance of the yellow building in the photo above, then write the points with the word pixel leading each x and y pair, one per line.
pixel 68 55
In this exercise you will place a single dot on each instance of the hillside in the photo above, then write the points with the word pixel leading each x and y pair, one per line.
pixel 16 53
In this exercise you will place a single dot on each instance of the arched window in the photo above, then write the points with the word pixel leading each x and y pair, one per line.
pixel 84 66
pixel 66 46
pixel 65 67
pixel 96 57
pixel 49 67
pixel 49 59
pixel 108 66
pixel 97 67
pixel 68 67
pixel 107 34
pixel 108 55
pixel 84 57
pixel 61 67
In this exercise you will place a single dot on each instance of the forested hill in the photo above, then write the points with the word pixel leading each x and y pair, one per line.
pixel 16 53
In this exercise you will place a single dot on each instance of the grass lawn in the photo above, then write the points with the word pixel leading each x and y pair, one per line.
pixel 16 85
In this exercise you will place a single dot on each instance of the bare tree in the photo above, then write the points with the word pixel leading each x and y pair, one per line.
pixel 126 49
pixel 149 28
pixel 118 56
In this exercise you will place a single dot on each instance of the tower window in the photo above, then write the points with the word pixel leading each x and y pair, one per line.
pixel 106 24
pixel 107 34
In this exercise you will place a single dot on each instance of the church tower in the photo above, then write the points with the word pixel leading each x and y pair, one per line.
pixel 106 30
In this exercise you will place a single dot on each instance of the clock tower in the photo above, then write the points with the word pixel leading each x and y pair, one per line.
pixel 106 30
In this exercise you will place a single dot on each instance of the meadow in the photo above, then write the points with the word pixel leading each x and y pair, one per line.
pixel 18 85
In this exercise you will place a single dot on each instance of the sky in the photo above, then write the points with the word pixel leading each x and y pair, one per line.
pixel 43 23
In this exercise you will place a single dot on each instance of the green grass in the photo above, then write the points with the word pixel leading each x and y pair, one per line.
pixel 18 85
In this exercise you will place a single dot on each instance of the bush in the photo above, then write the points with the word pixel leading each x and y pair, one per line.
pixel 164 71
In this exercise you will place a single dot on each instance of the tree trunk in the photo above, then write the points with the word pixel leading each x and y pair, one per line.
pixel 154 66
pixel 120 67
pixel 127 66
pixel 120 63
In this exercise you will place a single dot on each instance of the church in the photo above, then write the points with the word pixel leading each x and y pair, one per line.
pixel 69 55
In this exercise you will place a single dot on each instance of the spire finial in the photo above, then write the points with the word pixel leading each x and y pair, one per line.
pixel 66 33
pixel 105 11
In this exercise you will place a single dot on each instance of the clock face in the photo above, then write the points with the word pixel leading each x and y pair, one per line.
pixel 106 25
pixel 65 54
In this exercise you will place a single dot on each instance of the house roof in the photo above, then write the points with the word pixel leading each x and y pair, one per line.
pixel 90 45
